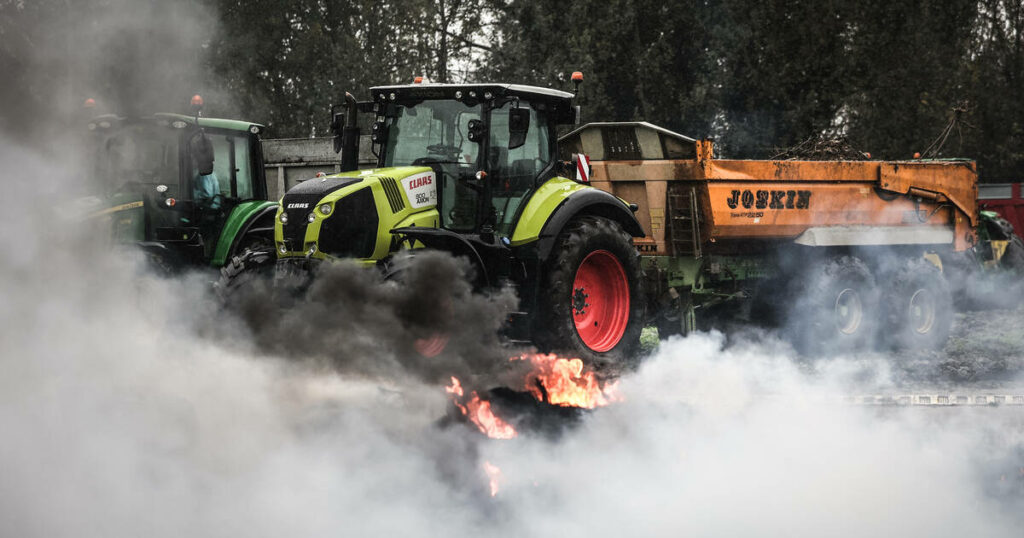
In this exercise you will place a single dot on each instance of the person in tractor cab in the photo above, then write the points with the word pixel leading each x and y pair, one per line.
pixel 205 186
pixel 206 191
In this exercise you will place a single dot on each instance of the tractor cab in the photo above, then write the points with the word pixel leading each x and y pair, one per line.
pixel 489 145
pixel 170 182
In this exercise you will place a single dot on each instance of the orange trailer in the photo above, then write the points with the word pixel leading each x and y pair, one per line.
pixel 814 203
pixel 710 221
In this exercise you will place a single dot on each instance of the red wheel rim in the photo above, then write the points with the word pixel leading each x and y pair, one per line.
pixel 432 346
pixel 600 301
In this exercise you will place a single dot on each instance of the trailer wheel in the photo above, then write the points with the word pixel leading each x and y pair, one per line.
pixel 837 310
pixel 589 301
pixel 920 309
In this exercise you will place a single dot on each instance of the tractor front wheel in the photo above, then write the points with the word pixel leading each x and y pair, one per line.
pixel 589 302
pixel 243 272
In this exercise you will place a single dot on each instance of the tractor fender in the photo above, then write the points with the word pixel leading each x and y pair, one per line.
pixel 590 201
pixel 246 218
pixel 455 244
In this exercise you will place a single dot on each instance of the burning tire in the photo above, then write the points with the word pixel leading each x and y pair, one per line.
pixel 589 299
pixel 838 309
pixel 919 311
pixel 429 316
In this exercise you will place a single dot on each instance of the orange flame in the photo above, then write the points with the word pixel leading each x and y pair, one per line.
pixel 494 475
pixel 563 382
pixel 455 388
pixel 479 412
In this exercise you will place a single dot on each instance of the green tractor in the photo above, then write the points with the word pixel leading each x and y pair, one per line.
pixel 474 170
pixel 189 191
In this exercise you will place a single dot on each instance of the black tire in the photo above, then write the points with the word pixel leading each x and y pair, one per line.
pixel 431 323
pixel 254 243
pixel 1013 258
pixel 589 242
pixel 919 308
pixel 835 309
pixel 243 272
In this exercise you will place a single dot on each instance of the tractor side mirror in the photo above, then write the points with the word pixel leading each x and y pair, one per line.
pixel 202 154
pixel 518 126
pixel 476 131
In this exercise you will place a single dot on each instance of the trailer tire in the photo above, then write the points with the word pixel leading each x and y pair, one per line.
pixel 838 308
pixel 919 310
pixel 589 302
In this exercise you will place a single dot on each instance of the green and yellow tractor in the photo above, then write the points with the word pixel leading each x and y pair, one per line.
pixel 189 191
pixel 474 170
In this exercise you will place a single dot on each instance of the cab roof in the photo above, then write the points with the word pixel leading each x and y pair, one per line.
pixel 169 119
pixel 429 90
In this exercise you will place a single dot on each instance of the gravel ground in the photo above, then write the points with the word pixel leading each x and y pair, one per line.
pixel 985 350
pixel 984 353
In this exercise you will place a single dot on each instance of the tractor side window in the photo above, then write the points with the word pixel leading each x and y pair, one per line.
pixel 243 169
pixel 222 163
pixel 514 171
pixel 232 167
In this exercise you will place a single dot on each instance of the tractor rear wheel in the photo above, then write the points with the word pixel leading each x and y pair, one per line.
pixel 919 312
pixel 589 301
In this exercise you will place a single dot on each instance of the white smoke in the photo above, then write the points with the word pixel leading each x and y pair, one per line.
pixel 131 406
pixel 128 408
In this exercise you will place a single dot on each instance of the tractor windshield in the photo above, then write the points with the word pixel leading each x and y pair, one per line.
pixel 138 155
pixel 436 134
pixel 431 131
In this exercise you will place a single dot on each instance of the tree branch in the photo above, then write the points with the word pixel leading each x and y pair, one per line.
pixel 455 36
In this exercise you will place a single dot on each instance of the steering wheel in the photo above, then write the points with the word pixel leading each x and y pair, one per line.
pixel 444 149
pixel 434 163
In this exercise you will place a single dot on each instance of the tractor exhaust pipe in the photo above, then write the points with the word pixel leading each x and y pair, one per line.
pixel 346 133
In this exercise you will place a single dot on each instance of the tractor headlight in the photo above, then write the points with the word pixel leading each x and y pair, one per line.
pixel 311 217
pixel 326 209
pixel 284 218
pixel 283 249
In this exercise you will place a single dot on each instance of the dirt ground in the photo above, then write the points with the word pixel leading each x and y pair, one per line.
pixel 985 350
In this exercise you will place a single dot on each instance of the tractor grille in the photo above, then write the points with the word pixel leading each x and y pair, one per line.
pixel 351 231
pixel 394 193
pixel 301 200
pixel 298 207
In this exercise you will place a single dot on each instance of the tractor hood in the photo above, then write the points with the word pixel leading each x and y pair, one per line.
pixel 348 214
pixel 305 195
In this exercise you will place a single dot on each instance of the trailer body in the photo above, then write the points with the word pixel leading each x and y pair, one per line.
pixel 716 230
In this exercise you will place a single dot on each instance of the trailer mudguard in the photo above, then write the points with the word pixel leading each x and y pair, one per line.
pixel 245 218
pixel 567 199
